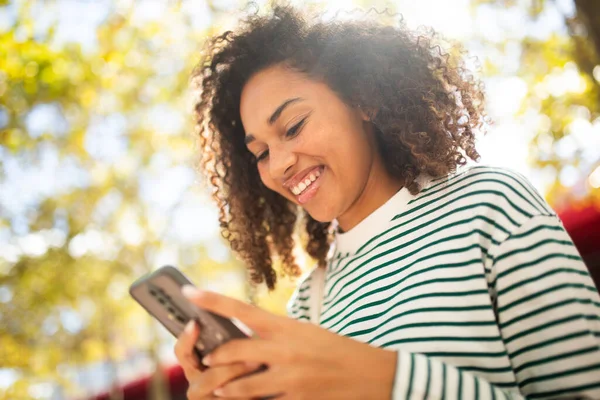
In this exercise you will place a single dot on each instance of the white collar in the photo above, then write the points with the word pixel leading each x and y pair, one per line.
pixel 374 223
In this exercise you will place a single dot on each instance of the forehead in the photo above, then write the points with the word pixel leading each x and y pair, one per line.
pixel 270 87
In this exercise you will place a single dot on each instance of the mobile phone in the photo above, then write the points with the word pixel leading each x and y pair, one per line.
pixel 160 294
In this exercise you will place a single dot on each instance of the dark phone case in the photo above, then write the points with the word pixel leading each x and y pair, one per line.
pixel 176 310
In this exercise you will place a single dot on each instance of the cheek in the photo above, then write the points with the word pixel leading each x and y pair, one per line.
pixel 263 173
pixel 265 177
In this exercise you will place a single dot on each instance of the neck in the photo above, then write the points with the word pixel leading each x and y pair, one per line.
pixel 380 187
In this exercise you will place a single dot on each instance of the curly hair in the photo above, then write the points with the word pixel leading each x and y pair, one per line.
pixel 428 108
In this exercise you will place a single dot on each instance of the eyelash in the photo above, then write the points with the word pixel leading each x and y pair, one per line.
pixel 294 131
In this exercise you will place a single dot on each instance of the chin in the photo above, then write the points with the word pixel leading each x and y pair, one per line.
pixel 321 215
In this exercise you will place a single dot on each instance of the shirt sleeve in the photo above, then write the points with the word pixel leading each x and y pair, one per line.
pixel 548 312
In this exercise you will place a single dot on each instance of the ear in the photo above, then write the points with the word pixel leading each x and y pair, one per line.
pixel 366 114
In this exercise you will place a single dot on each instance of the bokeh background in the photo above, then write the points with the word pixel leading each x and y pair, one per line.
pixel 97 165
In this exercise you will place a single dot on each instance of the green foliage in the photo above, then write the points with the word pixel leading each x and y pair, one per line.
pixel 62 305
pixel 573 52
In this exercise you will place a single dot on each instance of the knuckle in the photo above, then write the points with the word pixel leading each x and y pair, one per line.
pixel 177 350
pixel 233 370
pixel 289 355
pixel 198 388
pixel 295 380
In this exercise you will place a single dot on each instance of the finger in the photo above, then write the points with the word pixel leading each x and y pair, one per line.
pixel 184 347
pixel 260 321
pixel 248 350
pixel 262 384
pixel 205 383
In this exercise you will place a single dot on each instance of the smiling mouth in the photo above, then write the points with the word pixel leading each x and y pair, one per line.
pixel 306 183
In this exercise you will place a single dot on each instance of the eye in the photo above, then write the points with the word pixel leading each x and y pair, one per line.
pixel 293 131
pixel 262 156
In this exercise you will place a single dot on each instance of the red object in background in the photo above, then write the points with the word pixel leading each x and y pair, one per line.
pixel 139 389
pixel 583 225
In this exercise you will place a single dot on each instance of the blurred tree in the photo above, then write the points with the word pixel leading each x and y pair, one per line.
pixel 93 196
pixel 562 73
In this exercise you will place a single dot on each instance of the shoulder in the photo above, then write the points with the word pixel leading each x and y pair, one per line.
pixel 500 197
pixel 298 305
pixel 491 186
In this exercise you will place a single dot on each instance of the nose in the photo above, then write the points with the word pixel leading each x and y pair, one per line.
pixel 281 161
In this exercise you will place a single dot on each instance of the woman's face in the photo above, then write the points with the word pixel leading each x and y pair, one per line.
pixel 311 147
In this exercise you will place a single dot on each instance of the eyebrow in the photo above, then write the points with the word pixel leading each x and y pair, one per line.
pixel 273 118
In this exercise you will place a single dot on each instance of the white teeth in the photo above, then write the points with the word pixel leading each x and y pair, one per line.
pixel 298 189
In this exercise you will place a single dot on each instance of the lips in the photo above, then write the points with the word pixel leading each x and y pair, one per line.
pixel 301 176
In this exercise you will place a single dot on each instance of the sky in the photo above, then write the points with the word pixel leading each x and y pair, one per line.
pixel 505 145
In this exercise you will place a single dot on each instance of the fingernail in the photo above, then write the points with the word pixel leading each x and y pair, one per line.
pixel 219 392
pixel 207 360
pixel 189 291
pixel 189 328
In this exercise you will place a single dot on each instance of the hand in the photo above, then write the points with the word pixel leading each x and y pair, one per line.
pixel 203 381
pixel 304 361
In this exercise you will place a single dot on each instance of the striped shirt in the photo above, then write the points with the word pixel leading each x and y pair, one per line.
pixel 477 286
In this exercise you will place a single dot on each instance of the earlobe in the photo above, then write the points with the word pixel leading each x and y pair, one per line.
pixel 366 114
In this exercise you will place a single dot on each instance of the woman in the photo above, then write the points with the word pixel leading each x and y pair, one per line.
pixel 440 281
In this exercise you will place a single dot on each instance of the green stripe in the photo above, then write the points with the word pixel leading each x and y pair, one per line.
pixel 492 180
pixel 541 310
pixel 536 228
pixel 477 183
pixel 427 324
pixel 450 339
pixel 557 375
pixel 453 210
pixel 306 287
pixel 495 354
pixel 592 349
pixel 540 277
pixel 548 325
pixel 398 237
pixel 497 193
pixel 533 246
pixel 506 385
pixel 421 310
pixel 572 389
pixel 411 376
pixel 428 381
pixel 535 262
pixel 491 370
pixel 476 388
pixel 549 342
pixel 404 301
pixel 444 373
pixel 339 260
pixel 459 386
pixel 378 289
pixel 369 269
pixel 523 182
pixel 541 293
pixel 403 327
